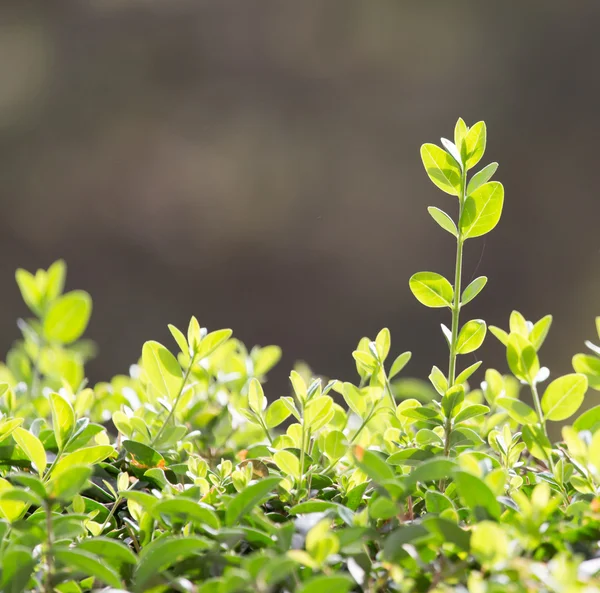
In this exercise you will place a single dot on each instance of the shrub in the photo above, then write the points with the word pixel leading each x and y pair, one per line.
pixel 182 477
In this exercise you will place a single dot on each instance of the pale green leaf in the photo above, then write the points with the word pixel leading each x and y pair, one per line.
pixel 441 168
pixel 431 289
pixel 482 210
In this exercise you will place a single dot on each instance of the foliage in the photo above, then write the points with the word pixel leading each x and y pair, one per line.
pixel 184 476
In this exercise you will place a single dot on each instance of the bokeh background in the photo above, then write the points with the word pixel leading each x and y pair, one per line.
pixel 257 164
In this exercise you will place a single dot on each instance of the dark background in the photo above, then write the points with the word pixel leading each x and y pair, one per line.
pixel 257 164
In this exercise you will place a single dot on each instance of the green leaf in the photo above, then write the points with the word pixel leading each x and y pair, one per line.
pixel 373 465
pixel 431 470
pixel 564 396
pixel 288 463
pixel 443 220
pixel 482 210
pixel 180 339
pixel 7 427
pixel 249 498
pixel 32 447
pixel 589 366
pixel 55 280
pixel 517 410
pixel 441 168
pixel 399 364
pixel 277 413
pixel 336 444
pixel 452 400
pixel 256 397
pixel 17 565
pixel 431 289
pixel 161 553
pixel 522 358
pixel 477 494
pixel 327 584
pixel 67 317
pixel 312 506
pixel 466 374
pixel 64 485
pixel 112 551
pixel 471 336
pixel 475 142
pixel 393 547
pixel 489 543
pixel 212 341
pixel 84 562
pixel 540 331
pixel 448 530
pixel 438 380
pixel 29 290
pixel 481 177
pixel 469 412
pixel 460 133
pixel 500 334
pixel 63 418
pixel 589 420
pixel 143 454
pixel 537 442
pixel 473 289
pixel 85 456
pixel 188 510
pixel 318 412
pixel 162 369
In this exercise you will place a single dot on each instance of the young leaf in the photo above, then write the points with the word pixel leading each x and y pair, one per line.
pixel 476 494
pixel 256 396
pixel 473 289
pixel 288 463
pixel 536 441
pixel 249 498
pixel 162 369
pixel 29 290
pixel 277 413
pixel 482 210
pixel 453 151
pixel 466 374
pixel 438 380
pixel 522 358
pixel 475 142
pixel 32 447
pixel 67 317
pixel 540 331
pixel 442 169
pixel 85 563
pixel 431 289
pixel 85 456
pixel 186 510
pixel 66 484
pixel 564 396
pixel 481 177
pixel 469 412
pixel 443 220
pixel 517 410
pixel 452 400
pixel 327 584
pixel 212 341
pixel 63 418
pixel 471 336
pixel 460 132
pixel 399 364
pixel 500 334
pixel 161 553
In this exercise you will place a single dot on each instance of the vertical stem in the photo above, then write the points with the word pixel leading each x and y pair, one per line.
pixel 177 398
pixel 48 553
pixel 455 310
pixel 540 414
pixel 457 287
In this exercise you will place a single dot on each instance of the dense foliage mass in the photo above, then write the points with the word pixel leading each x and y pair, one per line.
pixel 182 477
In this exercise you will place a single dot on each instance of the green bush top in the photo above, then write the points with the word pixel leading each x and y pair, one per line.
pixel 181 476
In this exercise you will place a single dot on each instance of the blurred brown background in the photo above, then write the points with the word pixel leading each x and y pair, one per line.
pixel 257 164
